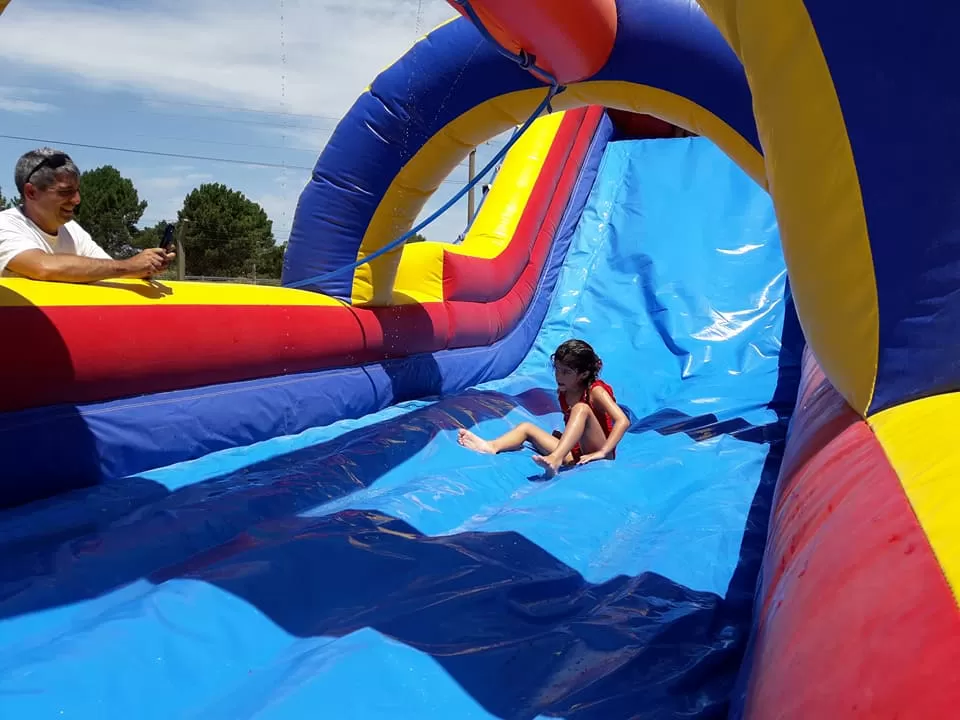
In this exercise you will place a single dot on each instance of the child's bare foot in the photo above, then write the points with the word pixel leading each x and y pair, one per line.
pixel 477 444
pixel 549 465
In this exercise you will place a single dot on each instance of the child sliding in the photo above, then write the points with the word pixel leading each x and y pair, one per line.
pixel 593 421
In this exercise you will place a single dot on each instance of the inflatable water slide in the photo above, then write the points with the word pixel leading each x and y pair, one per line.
pixel 237 501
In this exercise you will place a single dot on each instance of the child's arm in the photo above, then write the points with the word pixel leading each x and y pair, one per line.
pixel 621 423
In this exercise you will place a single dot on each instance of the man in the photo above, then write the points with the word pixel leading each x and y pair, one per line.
pixel 41 240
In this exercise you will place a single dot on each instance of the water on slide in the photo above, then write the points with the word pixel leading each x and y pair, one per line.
pixel 376 569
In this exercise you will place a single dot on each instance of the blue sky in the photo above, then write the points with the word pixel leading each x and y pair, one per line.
pixel 243 80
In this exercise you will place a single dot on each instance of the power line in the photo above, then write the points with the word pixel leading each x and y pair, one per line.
pixel 157 153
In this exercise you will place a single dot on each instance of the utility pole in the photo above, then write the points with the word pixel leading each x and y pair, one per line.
pixel 471 198
pixel 181 259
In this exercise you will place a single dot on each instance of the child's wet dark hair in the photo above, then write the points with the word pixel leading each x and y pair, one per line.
pixel 579 357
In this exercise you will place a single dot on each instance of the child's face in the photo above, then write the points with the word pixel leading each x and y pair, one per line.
pixel 567 378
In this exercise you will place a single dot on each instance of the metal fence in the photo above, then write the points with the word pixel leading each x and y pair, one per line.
pixel 237 280
pixel 171 274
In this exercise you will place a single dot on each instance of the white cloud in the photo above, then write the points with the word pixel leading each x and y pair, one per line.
pixel 164 189
pixel 174 182
pixel 280 201
pixel 280 206
pixel 23 106
pixel 313 57
pixel 162 183
pixel 11 100
pixel 306 138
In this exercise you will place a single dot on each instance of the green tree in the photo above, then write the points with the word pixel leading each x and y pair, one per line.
pixel 225 232
pixel 149 237
pixel 270 262
pixel 110 209
pixel 416 237
pixel 6 202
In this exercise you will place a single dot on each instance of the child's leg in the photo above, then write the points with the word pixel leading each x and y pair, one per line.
pixel 582 428
pixel 513 439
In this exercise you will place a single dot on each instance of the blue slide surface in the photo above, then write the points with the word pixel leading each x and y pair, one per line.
pixel 376 569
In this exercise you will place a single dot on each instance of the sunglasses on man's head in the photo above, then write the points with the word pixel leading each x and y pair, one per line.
pixel 54 162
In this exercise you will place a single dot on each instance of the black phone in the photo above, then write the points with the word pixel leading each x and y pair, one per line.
pixel 168 243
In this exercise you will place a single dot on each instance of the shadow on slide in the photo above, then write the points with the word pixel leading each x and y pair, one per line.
pixel 119 531
pixel 520 631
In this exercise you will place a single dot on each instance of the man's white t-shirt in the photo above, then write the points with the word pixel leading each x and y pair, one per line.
pixel 18 233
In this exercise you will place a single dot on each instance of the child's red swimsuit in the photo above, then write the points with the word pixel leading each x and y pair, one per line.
pixel 606 422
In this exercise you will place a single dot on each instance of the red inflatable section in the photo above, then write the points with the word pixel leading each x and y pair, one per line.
pixel 852 593
pixel 638 126
pixel 170 347
pixel 572 39
pixel 507 311
pixel 481 280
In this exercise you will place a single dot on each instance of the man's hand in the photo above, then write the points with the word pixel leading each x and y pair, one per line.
pixel 39 265
pixel 148 263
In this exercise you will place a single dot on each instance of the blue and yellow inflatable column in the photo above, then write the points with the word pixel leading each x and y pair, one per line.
pixel 858 611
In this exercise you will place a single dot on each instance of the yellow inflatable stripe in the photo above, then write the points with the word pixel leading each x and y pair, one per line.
pixel 920 441
pixel 18 292
pixel 675 109
pixel 495 225
pixel 420 178
pixel 420 274
pixel 822 220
